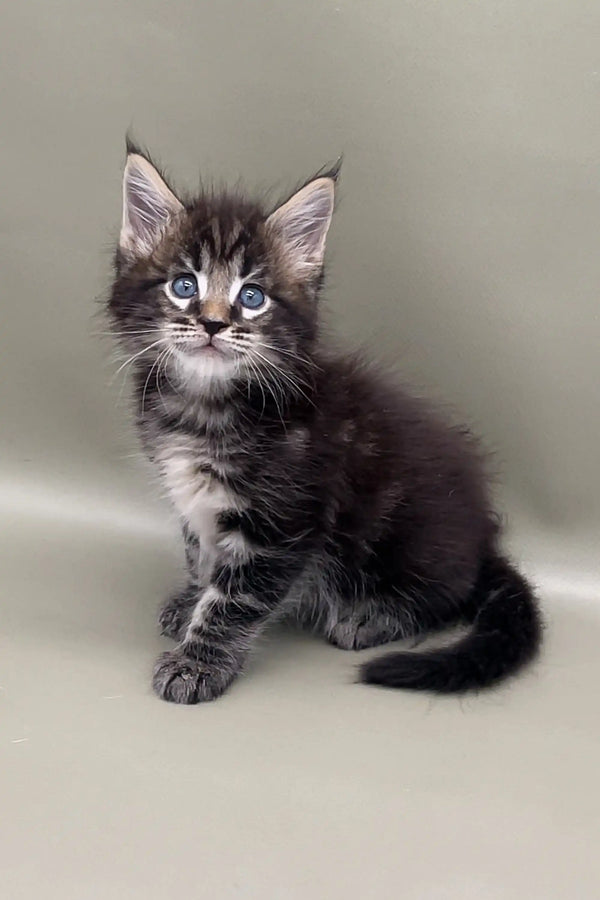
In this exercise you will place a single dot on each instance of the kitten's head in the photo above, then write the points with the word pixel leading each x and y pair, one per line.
pixel 215 290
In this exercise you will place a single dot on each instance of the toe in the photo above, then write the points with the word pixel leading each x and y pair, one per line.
pixel 181 679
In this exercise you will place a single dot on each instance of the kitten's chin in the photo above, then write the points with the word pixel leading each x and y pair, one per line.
pixel 205 369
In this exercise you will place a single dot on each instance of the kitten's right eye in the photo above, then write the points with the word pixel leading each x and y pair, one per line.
pixel 184 287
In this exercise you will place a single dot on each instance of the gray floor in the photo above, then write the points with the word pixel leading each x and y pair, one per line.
pixel 297 784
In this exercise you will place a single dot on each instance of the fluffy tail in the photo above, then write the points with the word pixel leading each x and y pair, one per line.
pixel 505 636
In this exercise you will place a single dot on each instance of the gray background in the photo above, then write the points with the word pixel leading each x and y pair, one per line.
pixel 464 248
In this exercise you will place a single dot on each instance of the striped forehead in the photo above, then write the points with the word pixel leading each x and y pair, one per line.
pixel 222 244
pixel 220 250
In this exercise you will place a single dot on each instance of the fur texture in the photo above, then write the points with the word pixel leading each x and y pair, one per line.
pixel 309 485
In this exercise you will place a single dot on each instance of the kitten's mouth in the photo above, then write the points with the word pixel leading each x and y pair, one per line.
pixel 210 350
pixel 191 348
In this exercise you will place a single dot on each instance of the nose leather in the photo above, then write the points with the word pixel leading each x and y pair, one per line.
pixel 212 326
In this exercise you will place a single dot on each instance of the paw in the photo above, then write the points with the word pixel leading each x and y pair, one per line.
pixel 347 634
pixel 181 679
pixel 175 616
pixel 342 635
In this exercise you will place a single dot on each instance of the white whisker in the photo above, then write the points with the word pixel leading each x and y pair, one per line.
pixel 288 379
pixel 138 354
pixel 126 333
pixel 302 359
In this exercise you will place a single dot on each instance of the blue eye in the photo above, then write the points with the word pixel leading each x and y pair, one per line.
pixel 184 286
pixel 251 296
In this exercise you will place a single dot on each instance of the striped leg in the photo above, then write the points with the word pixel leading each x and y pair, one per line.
pixel 175 614
pixel 225 622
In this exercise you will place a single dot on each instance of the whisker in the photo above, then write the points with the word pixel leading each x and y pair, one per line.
pixel 277 392
pixel 125 333
pixel 291 382
pixel 302 359
pixel 162 367
pixel 149 375
pixel 169 382
pixel 138 354
pixel 256 374
pixel 274 387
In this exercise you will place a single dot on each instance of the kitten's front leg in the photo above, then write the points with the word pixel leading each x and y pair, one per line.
pixel 175 614
pixel 225 622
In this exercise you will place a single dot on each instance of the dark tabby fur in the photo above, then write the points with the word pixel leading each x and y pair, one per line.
pixel 308 484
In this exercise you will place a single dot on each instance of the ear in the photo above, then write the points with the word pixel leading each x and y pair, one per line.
pixel 302 224
pixel 148 206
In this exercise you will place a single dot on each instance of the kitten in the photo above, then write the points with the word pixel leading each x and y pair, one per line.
pixel 307 484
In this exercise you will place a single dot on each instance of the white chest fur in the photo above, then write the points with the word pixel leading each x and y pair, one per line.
pixel 197 495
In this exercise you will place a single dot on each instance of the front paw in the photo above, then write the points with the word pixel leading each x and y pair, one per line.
pixel 175 616
pixel 182 679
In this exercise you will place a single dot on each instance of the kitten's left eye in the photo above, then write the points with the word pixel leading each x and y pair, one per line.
pixel 251 296
pixel 184 286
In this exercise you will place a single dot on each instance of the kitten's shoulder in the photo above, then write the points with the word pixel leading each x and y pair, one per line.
pixel 365 383
pixel 381 404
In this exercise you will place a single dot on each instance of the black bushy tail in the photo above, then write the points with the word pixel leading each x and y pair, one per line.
pixel 505 636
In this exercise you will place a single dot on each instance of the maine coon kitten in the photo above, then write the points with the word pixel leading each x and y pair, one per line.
pixel 307 484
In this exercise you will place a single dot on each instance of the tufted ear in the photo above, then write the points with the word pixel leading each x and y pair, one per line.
pixel 148 206
pixel 302 223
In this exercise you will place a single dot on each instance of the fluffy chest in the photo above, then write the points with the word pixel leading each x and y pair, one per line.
pixel 190 476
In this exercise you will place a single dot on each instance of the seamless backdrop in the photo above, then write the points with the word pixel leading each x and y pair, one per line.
pixel 464 248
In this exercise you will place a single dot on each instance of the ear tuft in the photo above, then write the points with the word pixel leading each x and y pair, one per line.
pixel 132 146
pixel 302 223
pixel 333 171
pixel 148 205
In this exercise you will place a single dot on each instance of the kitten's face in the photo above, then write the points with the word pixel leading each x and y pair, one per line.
pixel 216 291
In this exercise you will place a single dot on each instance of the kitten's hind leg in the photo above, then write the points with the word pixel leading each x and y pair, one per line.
pixel 374 622
pixel 351 624
pixel 365 626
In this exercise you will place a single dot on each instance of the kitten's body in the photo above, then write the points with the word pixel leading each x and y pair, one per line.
pixel 307 485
